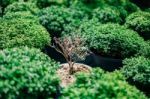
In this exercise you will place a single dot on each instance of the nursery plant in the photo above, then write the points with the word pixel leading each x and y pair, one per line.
pixel 98 85
pixel 137 72
pixel 112 40
pixel 72 48
pixel 22 31
pixel 27 73
pixel 140 22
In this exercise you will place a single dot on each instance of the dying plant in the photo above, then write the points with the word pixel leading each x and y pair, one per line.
pixel 72 48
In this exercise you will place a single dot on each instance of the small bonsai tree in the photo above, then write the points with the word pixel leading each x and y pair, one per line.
pixel 71 48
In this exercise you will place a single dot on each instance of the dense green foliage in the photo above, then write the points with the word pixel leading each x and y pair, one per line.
pixel 21 6
pixel 55 18
pixel 137 70
pixel 107 14
pixel 139 21
pixel 22 31
pixel 22 15
pixel 5 3
pixel 108 28
pixel 101 86
pixel 27 73
pixel 112 39
pixel 46 3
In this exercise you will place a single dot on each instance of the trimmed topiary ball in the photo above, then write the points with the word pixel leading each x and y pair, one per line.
pixel 22 31
pixel 27 73
pixel 140 22
pixel 112 40
pixel 21 6
pixel 137 72
pixel 56 18
pixel 101 86
pixel 107 14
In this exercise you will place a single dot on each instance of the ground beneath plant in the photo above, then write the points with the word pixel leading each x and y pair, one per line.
pixel 66 78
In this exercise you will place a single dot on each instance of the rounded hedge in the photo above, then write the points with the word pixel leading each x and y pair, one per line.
pixel 139 21
pixel 112 40
pixel 101 86
pixel 27 73
pixel 137 71
pixel 22 32
pixel 56 18
pixel 21 6
pixel 107 14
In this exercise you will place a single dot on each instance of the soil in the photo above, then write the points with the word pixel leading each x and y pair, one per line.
pixel 66 78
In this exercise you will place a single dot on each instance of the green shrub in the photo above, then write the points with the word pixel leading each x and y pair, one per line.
pixel 125 7
pixel 47 3
pixel 101 86
pixel 22 32
pixel 27 73
pixel 139 21
pixel 5 3
pixel 148 10
pixel 137 71
pixel 112 40
pixel 107 14
pixel 131 7
pixel 21 6
pixel 21 15
pixel 56 18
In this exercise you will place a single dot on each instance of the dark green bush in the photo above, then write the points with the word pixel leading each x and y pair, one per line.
pixel 56 18
pixel 27 74
pixel 125 7
pixel 112 40
pixel 137 71
pixel 5 3
pixel 22 31
pixel 21 6
pixel 47 3
pixel 139 21
pixel 107 14
pixel 101 86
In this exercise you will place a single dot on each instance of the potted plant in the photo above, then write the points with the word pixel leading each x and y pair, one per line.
pixel 111 43
pixel 73 50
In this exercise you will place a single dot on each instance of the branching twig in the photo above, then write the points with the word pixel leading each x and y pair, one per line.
pixel 70 48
